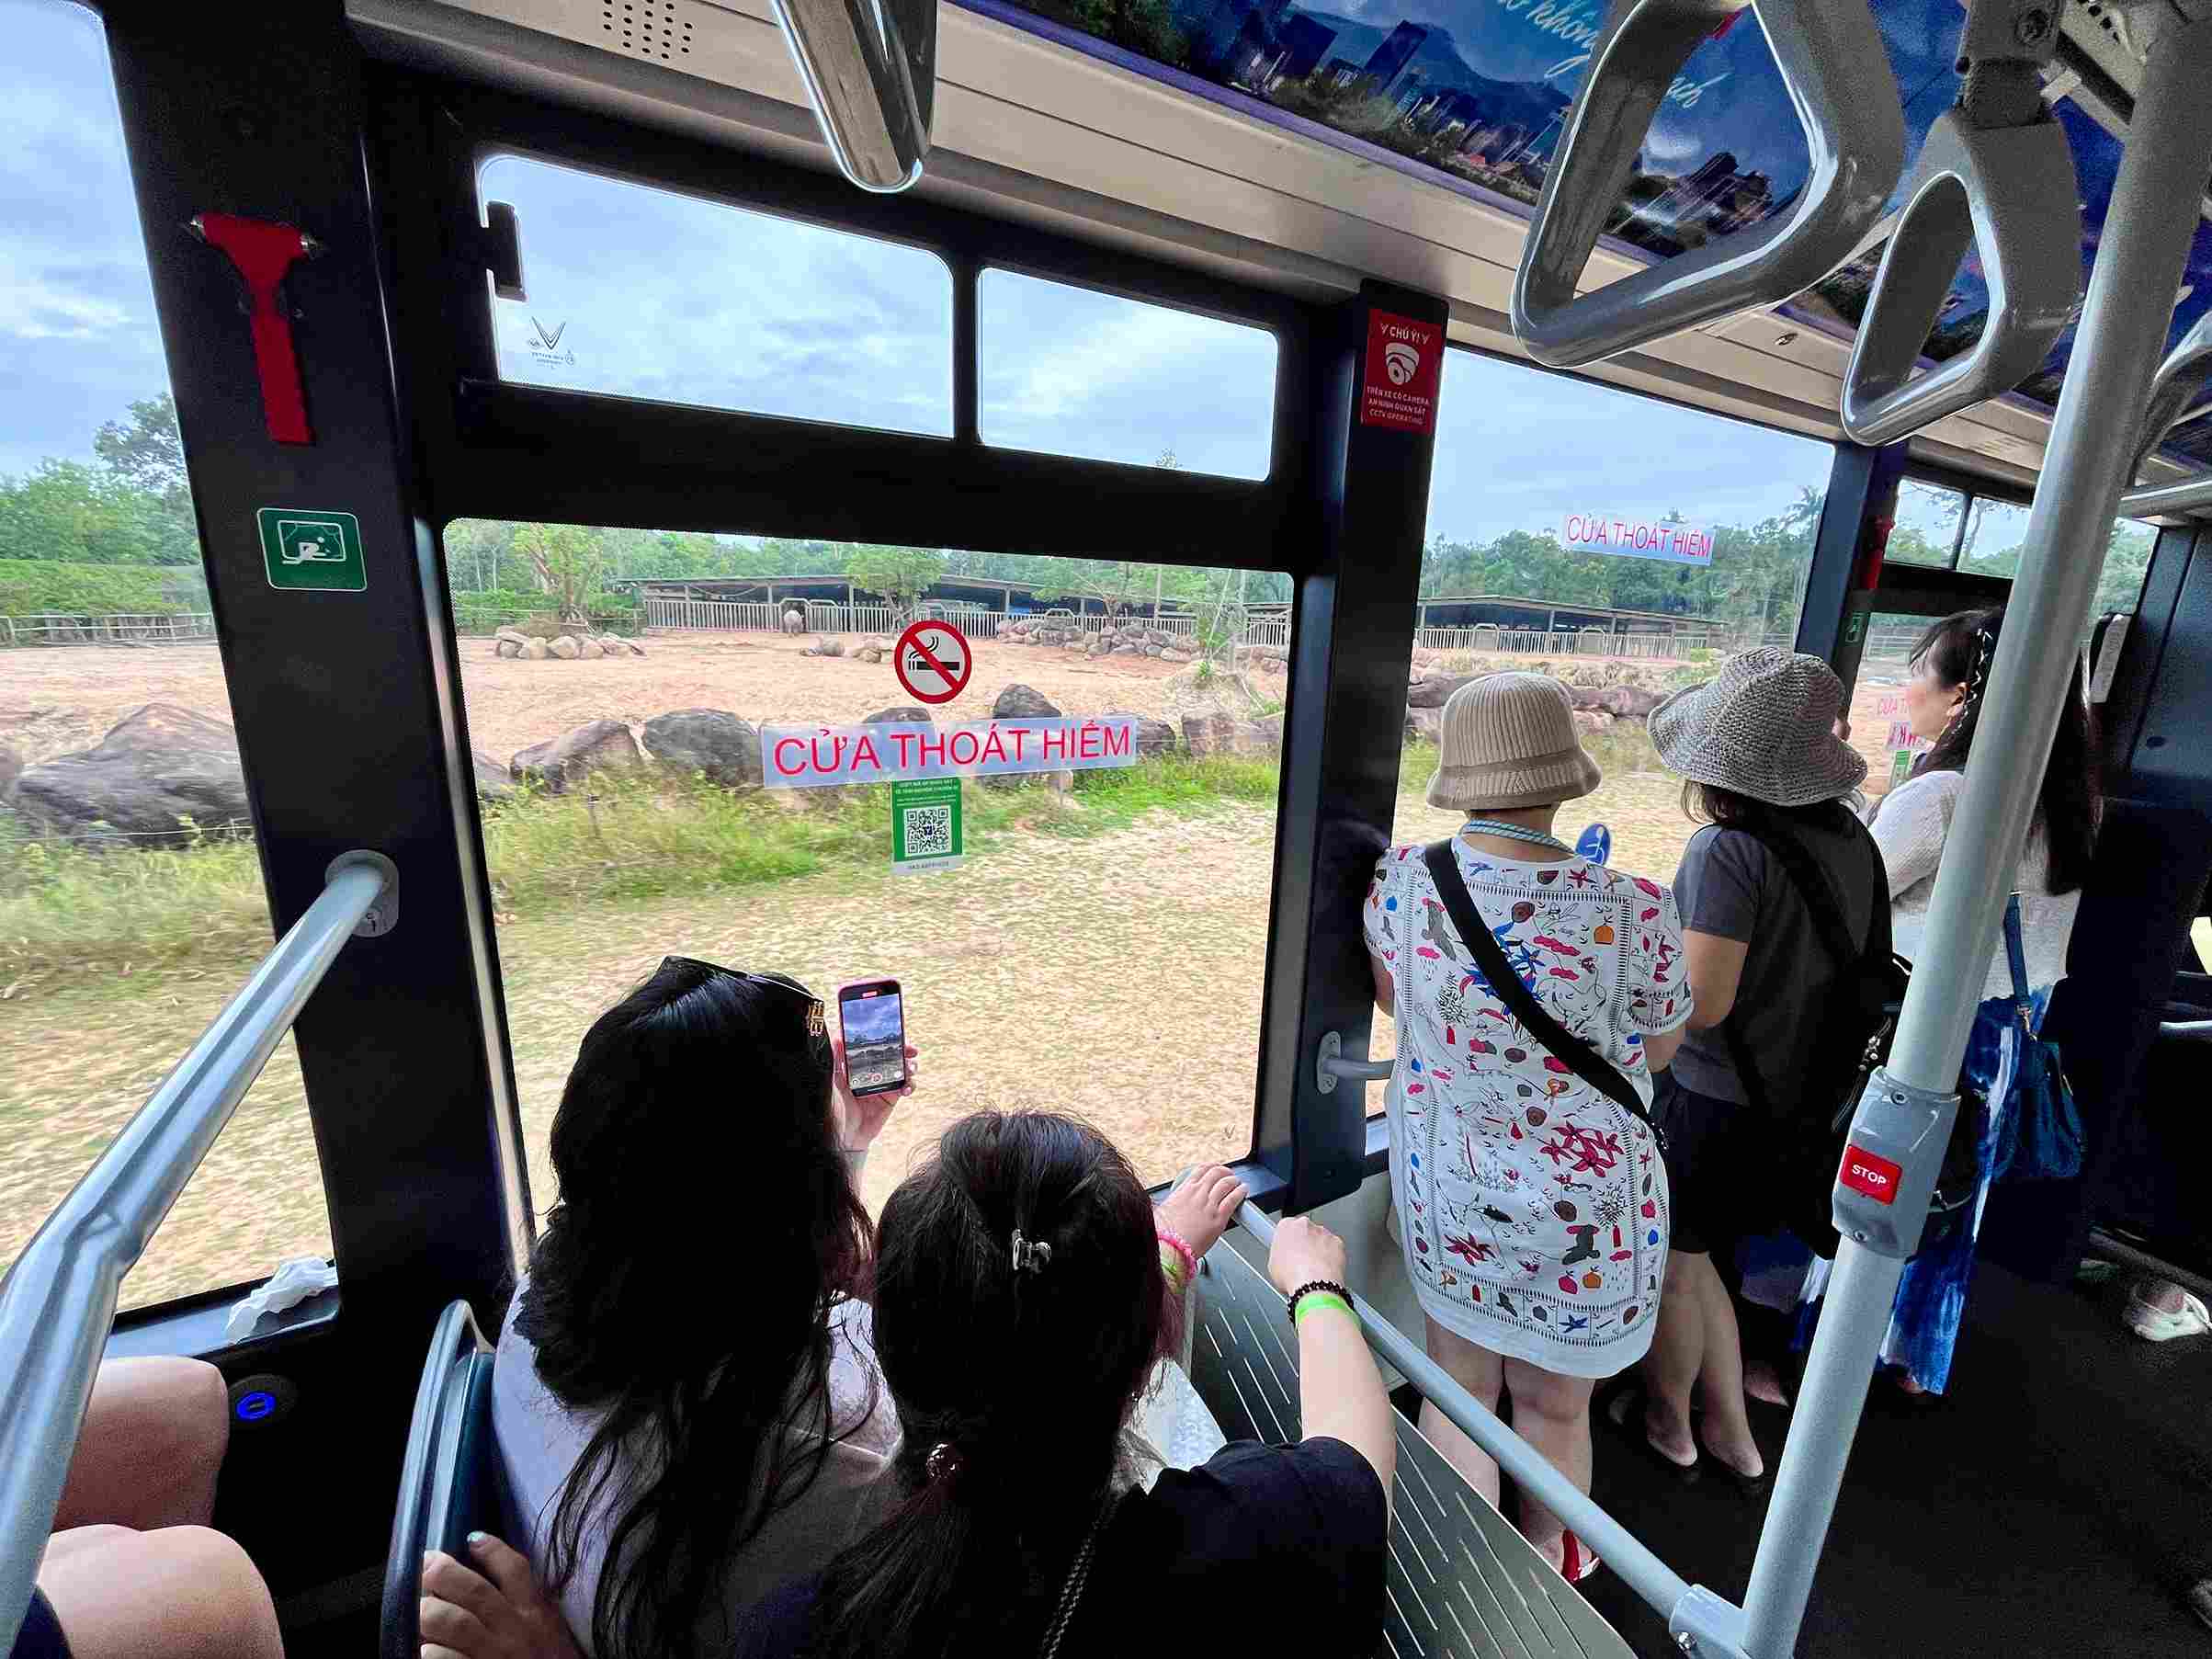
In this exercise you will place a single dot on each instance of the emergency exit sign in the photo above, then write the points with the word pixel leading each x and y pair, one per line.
pixel 314 550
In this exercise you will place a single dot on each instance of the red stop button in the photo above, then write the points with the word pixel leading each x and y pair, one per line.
pixel 1868 1173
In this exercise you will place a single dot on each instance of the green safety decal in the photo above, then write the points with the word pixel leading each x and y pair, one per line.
pixel 926 824
pixel 1855 627
pixel 307 548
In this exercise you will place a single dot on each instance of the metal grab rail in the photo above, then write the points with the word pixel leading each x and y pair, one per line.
pixel 58 1301
pixel 1689 1609
pixel 2177 382
pixel 1837 75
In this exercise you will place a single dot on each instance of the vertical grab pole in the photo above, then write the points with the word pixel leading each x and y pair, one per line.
pixel 2153 214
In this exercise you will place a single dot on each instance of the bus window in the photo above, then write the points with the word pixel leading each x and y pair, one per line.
pixel 1071 372
pixel 1995 532
pixel 642 292
pixel 131 904
pixel 1099 948
pixel 1926 529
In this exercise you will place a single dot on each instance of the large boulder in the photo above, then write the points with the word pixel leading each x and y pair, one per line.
pixel 1018 701
pixel 160 765
pixel 1591 723
pixel 513 636
pixel 535 652
pixel 1206 734
pixel 494 781
pixel 589 649
pixel 712 743
pixel 828 645
pixel 1425 723
pixel 900 713
pixel 565 648
pixel 1151 737
pixel 1435 689
pixel 1267 733
pixel 509 647
pixel 605 745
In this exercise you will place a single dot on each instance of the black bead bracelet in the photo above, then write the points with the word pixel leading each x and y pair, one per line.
pixel 1331 1286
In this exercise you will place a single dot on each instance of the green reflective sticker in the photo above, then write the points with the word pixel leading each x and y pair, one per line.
pixel 1901 766
pixel 308 548
pixel 926 824
pixel 1855 627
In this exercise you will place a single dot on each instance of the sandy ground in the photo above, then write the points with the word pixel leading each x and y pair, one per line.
pixel 55 701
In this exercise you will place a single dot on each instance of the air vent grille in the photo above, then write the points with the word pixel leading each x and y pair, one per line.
pixel 660 30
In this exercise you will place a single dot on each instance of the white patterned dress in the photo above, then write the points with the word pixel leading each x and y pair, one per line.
pixel 1534 1208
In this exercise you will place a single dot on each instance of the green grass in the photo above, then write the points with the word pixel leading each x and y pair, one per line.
pixel 72 911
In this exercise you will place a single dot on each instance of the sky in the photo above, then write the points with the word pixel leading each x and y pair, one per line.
pixel 644 292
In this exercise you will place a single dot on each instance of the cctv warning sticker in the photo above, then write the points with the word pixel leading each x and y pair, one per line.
pixel 1404 359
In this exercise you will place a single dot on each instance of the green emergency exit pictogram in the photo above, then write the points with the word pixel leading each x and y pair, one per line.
pixel 307 549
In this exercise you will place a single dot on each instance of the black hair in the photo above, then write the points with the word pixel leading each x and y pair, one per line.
pixel 697 1075
pixel 1958 651
pixel 1731 809
pixel 1025 1378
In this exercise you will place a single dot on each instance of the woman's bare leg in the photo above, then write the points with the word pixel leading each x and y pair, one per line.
pixel 1552 1414
pixel 1677 1357
pixel 181 1593
pixel 1479 1371
pixel 1727 1426
pixel 153 1439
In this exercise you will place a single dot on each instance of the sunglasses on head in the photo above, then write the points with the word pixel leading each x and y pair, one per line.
pixel 816 1024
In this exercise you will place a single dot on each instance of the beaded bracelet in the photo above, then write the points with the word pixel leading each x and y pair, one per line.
pixel 1318 1287
pixel 1178 1261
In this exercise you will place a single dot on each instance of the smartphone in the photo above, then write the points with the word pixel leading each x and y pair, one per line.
pixel 874 1024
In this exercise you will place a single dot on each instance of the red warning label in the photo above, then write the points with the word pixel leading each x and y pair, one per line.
pixel 1404 361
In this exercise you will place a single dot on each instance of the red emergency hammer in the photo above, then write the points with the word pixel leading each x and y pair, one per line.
pixel 263 253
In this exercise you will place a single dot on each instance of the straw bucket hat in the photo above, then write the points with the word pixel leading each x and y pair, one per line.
pixel 1508 740
pixel 1765 728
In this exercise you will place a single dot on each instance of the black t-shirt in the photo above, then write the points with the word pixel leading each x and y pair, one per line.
pixel 1280 1547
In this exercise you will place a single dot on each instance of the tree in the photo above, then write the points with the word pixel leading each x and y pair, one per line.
pixel 146 455
pixel 901 574
pixel 567 560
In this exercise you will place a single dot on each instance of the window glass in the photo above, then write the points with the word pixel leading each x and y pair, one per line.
pixel 1996 531
pixel 1880 729
pixel 128 916
pixel 1531 565
pixel 1071 372
pixel 1928 524
pixel 643 292
pixel 1035 974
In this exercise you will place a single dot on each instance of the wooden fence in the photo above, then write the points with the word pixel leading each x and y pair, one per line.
pixel 152 629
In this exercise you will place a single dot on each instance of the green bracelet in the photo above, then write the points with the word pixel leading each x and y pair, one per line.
pixel 1319 1298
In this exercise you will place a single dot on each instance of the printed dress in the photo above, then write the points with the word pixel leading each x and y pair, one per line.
pixel 1534 1208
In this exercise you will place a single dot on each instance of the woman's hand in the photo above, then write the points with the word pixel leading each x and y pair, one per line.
pixel 860 1117
pixel 497 1610
pixel 1200 1210
pixel 1304 1251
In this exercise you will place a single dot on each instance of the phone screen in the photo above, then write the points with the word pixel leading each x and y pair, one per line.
pixel 874 1037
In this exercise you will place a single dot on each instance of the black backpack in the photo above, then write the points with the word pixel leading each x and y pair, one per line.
pixel 1854 1025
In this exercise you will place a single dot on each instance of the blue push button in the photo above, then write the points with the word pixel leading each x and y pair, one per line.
pixel 265 1397
pixel 252 1407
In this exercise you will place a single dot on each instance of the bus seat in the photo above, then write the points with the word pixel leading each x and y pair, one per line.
pixel 1461 1581
pixel 450 1482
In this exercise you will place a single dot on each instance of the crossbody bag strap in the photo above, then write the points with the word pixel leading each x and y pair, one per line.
pixel 2015 950
pixel 1578 1056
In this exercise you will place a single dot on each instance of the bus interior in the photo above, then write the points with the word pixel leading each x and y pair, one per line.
pixel 1912 299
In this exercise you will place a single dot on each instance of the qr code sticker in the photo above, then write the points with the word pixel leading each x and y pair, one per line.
pixel 928 831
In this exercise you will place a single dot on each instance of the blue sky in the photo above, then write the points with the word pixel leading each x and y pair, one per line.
pixel 652 294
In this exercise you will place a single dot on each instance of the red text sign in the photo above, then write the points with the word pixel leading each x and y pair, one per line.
pixel 1405 359
pixel 1871 1173
pixel 1638 537
pixel 810 756
pixel 932 662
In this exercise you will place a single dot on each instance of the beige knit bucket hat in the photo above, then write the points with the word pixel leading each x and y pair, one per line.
pixel 1508 740
pixel 1765 728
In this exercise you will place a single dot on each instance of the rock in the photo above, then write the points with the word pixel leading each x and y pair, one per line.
pixel 1168 653
pixel 11 768
pixel 794 621
pixel 1582 699
pixel 1018 701
pixel 901 711
pixel 826 646
pixel 1591 721
pixel 1425 723
pixel 1631 702
pixel 513 635
pixel 1150 737
pixel 1435 691
pixel 565 648
pixel 590 650
pixel 535 652
pixel 1269 730
pixel 1206 734
pixel 160 764
pixel 510 647
pixel 494 781
pixel 605 745
pixel 868 653
pixel 710 741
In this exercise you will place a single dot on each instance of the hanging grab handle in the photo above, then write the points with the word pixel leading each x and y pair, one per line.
pixel 1838 78
pixel 2179 378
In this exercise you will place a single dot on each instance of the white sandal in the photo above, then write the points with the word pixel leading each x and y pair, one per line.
pixel 2160 1324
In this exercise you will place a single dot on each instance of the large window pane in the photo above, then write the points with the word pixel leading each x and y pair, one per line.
pixel 1996 531
pixel 646 293
pixel 1928 524
pixel 128 913
pixel 1071 372
pixel 1102 946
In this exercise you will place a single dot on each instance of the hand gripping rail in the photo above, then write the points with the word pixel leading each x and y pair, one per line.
pixel 1703 1623
pixel 1838 78
pixel 58 1301
pixel 2175 386
pixel 1995 173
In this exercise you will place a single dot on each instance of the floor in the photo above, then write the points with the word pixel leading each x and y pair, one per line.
pixel 2057 1501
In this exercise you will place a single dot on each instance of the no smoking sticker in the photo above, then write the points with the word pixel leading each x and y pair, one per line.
pixel 932 662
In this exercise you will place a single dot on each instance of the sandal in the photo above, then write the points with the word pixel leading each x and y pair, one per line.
pixel 1579 1561
pixel 1624 1409
pixel 2154 1324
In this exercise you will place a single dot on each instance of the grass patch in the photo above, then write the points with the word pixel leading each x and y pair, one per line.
pixel 67 910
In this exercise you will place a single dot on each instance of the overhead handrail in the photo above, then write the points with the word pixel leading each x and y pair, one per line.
pixel 1838 78
pixel 871 73
pixel 1995 173
pixel 1711 1621
pixel 58 1301
pixel 2179 378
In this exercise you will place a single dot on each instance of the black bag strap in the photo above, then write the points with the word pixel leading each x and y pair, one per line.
pixel 1578 1056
